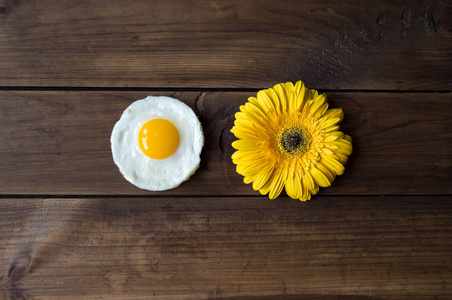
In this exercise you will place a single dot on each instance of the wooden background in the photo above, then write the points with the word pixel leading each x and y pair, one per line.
pixel 71 227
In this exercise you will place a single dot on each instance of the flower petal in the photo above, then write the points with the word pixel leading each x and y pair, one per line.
pixel 319 177
pixel 344 146
pixel 331 128
pixel 292 102
pixel 278 183
pixel 314 191
pixel 329 122
pixel 329 174
pixel 268 184
pixel 256 115
pixel 252 155
pixel 274 99
pixel 279 89
pixel 265 101
pixel 342 158
pixel 249 168
pixel 300 91
pixel 248 179
pixel 288 88
pixel 250 126
pixel 332 164
pixel 246 144
pixel 334 113
pixel 304 192
pixel 332 136
pixel 308 181
pixel 294 187
pixel 262 177
pixel 254 109
pixel 241 132
pixel 317 104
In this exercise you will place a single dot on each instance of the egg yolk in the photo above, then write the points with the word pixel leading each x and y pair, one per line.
pixel 158 139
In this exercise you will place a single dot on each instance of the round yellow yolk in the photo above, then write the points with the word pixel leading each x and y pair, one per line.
pixel 158 139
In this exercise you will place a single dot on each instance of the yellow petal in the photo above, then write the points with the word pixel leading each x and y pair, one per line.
pixel 300 91
pixel 249 168
pixel 246 144
pixel 342 158
pixel 308 181
pixel 262 105
pixel 237 161
pixel 274 99
pixel 292 103
pixel 334 113
pixel 332 164
pixel 332 136
pixel 248 179
pixel 314 191
pixel 339 134
pixel 306 108
pixel 267 185
pixel 329 138
pixel 241 155
pixel 327 151
pixel 314 94
pixel 290 188
pixel 257 103
pixel 265 101
pixel 330 146
pixel 306 193
pixel 319 177
pixel 288 88
pixel 252 108
pixel 344 146
pixel 249 156
pixel 329 174
pixel 262 177
pixel 331 128
pixel 278 183
pixel 293 187
pixel 299 86
pixel 255 115
pixel 329 122
pixel 245 123
pixel 318 102
pixel 241 132
pixel 322 109
pixel 279 89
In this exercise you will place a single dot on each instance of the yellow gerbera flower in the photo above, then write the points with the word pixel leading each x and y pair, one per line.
pixel 287 137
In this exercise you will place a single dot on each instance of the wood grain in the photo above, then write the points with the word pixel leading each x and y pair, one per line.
pixel 71 227
pixel 227 44
pixel 205 248
pixel 59 143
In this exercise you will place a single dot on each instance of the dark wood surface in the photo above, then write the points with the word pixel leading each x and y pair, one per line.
pixel 72 228
pixel 352 45
pixel 374 247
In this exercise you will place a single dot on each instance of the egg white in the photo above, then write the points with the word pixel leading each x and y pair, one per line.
pixel 154 174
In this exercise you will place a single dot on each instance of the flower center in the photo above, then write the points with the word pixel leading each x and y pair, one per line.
pixel 293 140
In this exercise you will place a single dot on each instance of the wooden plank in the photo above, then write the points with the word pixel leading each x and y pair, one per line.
pixel 204 248
pixel 234 44
pixel 59 143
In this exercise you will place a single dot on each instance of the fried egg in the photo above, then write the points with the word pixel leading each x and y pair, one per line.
pixel 157 143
